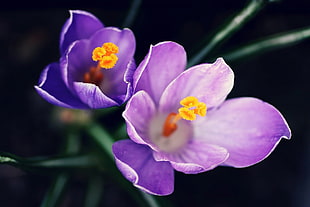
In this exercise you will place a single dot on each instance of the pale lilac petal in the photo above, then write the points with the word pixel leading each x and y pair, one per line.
pixel 139 111
pixel 248 128
pixel 137 164
pixel 91 95
pixel 52 88
pixel 163 63
pixel 80 25
pixel 198 156
pixel 210 83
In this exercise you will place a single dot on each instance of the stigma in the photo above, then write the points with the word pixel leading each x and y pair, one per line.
pixel 191 107
pixel 106 55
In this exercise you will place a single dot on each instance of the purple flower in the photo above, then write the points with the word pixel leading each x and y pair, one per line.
pixel 96 65
pixel 179 120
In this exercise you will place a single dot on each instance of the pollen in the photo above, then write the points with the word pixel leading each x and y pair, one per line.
pixel 190 108
pixel 106 55
pixel 201 109
pixel 189 102
pixel 187 114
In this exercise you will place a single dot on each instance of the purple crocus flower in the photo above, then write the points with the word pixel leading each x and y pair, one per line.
pixel 96 65
pixel 180 120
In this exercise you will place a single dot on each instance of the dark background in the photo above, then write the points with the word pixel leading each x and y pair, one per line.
pixel 29 35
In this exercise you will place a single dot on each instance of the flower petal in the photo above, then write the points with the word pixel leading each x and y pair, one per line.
pixel 78 60
pixel 210 83
pixel 117 76
pixel 137 164
pixel 163 63
pixel 139 111
pixel 80 25
pixel 52 88
pixel 248 128
pixel 91 95
pixel 198 156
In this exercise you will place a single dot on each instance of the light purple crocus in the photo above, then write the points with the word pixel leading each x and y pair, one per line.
pixel 80 81
pixel 238 132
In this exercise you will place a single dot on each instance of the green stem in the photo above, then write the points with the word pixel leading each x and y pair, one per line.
pixel 150 199
pixel 56 191
pixel 94 191
pixel 105 142
pixel 229 29
pixel 269 43
pixel 132 13
pixel 102 138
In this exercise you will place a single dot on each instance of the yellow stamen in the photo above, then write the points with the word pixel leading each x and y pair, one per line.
pixel 187 114
pixel 201 109
pixel 108 62
pixel 106 55
pixel 189 101
pixel 191 108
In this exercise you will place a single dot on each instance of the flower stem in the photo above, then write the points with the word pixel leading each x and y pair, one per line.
pixel 269 43
pixel 132 13
pixel 150 199
pixel 94 191
pixel 101 137
pixel 49 164
pixel 56 191
pixel 229 29
pixel 105 142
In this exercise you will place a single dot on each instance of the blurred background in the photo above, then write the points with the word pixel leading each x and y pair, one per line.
pixel 29 37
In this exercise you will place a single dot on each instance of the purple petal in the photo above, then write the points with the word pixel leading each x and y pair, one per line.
pixel 76 62
pixel 137 164
pixel 80 25
pixel 91 95
pixel 139 111
pixel 210 83
pixel 118 76
pixel 163 63
pixel 198 156
pixel 52 88
pixel 116 83
pixel 248 128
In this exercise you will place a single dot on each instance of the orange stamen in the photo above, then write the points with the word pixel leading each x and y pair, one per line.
pixel 170 124
pixel 191 108
pixel 105 55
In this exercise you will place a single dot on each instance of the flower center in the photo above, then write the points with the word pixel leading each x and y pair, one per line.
pixel 105 55
pixel 106 58
pixel 191 108
pixel 94 75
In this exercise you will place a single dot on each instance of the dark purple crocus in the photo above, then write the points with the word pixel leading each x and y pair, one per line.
pixel 96 65
pixel 180 120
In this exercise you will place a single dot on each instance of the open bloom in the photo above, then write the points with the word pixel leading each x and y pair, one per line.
pixel 180 120
pixel 96 65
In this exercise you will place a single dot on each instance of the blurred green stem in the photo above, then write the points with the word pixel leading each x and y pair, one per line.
pixel 94 191
pixel 105 142
pixel 229 29
pixel 132 13
pixel 269 43
pixel 49 164
pixel 56 191
pixel 101 137
pixel 54 194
